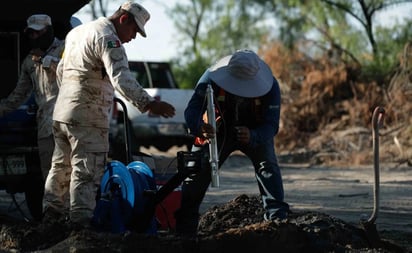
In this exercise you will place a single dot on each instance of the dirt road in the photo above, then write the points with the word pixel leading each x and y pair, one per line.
pixel 346 193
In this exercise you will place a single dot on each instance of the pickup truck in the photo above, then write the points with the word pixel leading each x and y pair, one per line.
pixel 149 130
pixel 19 162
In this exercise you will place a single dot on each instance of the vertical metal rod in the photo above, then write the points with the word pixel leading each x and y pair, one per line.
pixel 127 138
pixel 213 152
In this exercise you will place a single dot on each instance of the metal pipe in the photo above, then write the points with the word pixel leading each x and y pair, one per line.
pixel 213 152
pixel 127 139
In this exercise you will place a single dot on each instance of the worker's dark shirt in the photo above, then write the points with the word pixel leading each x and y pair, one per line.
pixel 263 121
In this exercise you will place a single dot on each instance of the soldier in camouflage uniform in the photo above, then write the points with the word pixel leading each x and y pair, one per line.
pixel 38 74
pixel 93 67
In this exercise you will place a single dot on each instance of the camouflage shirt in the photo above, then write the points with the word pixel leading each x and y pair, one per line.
pixel 38 75
pixel 94 65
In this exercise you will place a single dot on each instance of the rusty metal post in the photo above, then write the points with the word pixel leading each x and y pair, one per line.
pixel 369 225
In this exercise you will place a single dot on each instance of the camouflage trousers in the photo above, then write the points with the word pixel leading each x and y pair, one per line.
pixel 78 164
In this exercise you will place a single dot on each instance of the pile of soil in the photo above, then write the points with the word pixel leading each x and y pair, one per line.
pixel 236 226
pixel 327 105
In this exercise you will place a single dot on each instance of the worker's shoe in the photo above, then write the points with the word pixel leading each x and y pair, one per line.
pixel 278 214
pixel 186 236
pixel 53 225
pixel 51 215
pixel 186 224
pixel 77 226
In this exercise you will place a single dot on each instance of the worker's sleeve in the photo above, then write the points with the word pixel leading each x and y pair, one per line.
pixel 117 68
pixel 195 109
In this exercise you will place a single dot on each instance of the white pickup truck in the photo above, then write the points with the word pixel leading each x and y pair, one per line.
pixel 147 129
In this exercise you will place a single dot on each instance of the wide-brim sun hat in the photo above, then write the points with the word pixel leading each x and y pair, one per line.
pixel 243 74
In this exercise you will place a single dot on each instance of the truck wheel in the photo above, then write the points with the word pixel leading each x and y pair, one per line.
pixel 34 196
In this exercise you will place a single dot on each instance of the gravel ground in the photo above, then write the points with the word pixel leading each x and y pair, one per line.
pixel 339 197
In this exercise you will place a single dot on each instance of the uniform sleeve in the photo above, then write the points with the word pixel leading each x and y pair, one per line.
pixel 117 68
pixel 22 91
pixel 195 109
pixel 270 126
pixel 59 73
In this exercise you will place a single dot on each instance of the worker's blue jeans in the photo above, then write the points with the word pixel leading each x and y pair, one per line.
pixel 267 174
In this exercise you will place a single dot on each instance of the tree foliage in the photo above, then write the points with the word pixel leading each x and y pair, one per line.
pixel 210 29
pixel 99 8
pixel 348 30
pixel 348 27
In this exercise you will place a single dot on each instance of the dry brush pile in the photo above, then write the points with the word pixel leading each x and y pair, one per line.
pixel 327 108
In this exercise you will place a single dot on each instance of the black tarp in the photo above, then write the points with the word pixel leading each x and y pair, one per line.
pixel 13 43
pixel 14 16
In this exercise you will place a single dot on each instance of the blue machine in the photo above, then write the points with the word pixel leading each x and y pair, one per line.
pixel 125 191
pixel 128 194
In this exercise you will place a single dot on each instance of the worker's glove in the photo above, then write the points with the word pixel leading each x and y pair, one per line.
pixel 207 131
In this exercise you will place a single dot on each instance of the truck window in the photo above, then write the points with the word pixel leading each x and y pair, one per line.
pixel 153 74
pixel 160 78
pixel 141 77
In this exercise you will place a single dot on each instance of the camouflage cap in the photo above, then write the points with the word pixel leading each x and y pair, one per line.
pixel 141 15
pixel 38 22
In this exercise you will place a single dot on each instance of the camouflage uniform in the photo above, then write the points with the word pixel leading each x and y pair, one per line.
pixel 93 67
pixel 39 75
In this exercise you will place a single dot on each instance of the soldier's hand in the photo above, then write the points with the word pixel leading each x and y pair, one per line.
pixel 161 108
pixel 36 54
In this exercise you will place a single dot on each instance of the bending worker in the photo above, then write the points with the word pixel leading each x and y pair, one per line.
pixel 247 113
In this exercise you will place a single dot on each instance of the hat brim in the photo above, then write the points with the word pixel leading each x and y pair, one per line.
pixel 257 86
pixel 141 27
pixel 36 27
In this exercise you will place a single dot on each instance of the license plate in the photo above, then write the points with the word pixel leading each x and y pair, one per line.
pixel 13 165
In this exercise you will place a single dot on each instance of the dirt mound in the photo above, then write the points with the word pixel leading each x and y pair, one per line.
pixel 234 227
pixel 327 104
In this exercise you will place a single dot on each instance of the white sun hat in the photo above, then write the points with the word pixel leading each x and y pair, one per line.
pixel 243 74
